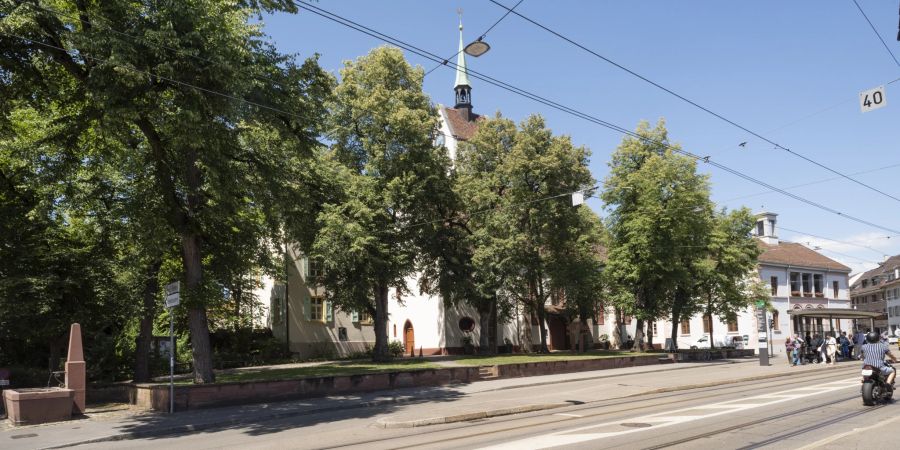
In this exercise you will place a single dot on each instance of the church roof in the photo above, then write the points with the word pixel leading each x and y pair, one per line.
pixel 461 128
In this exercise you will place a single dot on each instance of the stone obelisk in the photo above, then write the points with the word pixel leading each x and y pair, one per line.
pixel 76 378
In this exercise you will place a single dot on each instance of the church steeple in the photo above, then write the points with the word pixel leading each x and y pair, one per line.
pixel 463 88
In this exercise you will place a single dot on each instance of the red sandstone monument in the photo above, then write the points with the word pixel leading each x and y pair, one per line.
pixel 76 377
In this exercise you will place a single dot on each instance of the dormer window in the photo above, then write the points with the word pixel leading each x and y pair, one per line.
pixel 760 228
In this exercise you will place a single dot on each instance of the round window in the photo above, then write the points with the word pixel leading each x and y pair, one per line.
pixel 467 324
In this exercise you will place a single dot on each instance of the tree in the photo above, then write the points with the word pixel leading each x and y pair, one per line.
pixel 659 226
pixel 515 182
pixel 395 182
pixel 731 258
pixel 194 121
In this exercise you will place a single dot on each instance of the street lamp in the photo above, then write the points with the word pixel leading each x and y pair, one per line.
pixel 477 47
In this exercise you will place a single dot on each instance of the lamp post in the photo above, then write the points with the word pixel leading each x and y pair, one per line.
pixel 477 47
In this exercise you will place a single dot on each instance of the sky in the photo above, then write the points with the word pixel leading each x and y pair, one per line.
pixel 789 71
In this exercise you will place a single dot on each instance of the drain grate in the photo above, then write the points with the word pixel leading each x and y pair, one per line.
pixel 635 425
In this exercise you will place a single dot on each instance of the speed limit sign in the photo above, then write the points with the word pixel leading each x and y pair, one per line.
pixel 872 99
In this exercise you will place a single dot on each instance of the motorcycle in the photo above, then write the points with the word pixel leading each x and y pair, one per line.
pixel 874 386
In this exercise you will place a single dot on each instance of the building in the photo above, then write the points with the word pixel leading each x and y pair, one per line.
pixel 878 290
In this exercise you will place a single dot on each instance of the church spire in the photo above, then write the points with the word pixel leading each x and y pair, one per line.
pixel 463 88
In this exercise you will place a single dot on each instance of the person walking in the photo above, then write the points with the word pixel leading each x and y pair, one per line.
pixel 830 348
pixel 858 341
pixel 819 347
pixel 789 350
pixel 845 345
pixel 798 348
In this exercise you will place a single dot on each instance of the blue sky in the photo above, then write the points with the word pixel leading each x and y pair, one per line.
pixel 790 71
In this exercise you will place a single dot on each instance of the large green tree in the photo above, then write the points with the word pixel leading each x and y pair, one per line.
pixel 659 223
pixel 198 93
pixel 726 277
pixel 395 187
pixel 515 184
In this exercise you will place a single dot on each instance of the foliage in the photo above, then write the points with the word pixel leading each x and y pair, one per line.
pixel 514 182
pixel 394 180
pixel 395 348
pixel 328 370
pixel 218 174
pixel 659 226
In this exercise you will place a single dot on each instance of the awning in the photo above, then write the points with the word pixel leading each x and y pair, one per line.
pixel 835 313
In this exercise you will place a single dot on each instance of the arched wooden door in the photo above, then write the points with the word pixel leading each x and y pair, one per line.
pixel 409 338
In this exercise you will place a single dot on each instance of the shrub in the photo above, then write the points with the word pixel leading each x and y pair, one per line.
pixel 395 348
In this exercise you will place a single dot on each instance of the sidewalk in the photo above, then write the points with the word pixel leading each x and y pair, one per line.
pixel 401 408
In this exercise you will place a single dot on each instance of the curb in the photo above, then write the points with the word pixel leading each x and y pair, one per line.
pixel 381 423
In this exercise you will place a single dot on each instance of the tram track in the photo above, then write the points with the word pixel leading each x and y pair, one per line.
pixel 557 421
pixel 752 423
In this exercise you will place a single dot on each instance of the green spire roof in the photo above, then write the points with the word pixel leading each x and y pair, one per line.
pixel 462 74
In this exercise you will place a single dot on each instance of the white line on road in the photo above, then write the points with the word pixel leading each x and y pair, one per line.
pixel 669 418
pixel 566 414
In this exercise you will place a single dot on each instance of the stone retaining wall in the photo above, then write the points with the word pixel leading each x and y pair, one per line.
pixel 706 355
pixel 156 396
pixel 554 367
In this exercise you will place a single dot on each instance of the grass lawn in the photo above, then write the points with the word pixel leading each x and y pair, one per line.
pixel 325 370
pixel 496 360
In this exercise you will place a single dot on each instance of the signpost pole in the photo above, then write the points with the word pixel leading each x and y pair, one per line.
pixel 171 360
pixel 173 299
pixel 762 332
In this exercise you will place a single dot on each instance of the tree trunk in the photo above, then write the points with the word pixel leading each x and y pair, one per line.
pixel 484 323
pixel 649 335
pixel 201 351
pixel 712 342
pixel 380 352
pixel 638 336
pixel 542 314
pixel 148 313
pixel 236 293
pixel 493 335
pixel 616 338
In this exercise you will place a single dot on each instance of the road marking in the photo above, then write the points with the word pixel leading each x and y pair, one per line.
pixel 673 417
pixel 566 414
pixel 831 439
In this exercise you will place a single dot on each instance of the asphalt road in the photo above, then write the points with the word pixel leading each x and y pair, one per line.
pixel 808 410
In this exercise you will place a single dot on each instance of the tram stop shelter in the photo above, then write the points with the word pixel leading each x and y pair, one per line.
pixel 815 320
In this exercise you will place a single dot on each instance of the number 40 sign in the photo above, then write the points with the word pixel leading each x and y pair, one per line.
pixel 872 99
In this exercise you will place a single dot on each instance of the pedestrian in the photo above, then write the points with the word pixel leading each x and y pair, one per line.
pixel 819 345
pixel 845 345
pixel 858 341
pixel 831 348
pixel 798 347
pixel 789 350
pixel 808 348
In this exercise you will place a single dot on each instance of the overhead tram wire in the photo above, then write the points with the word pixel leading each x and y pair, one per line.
pixel 693 103
pixel 855 244
pixel 480 37
pixel 519 91
pixel 874 30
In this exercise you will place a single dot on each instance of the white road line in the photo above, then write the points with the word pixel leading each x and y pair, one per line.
pixel 566 414
pixel 669 418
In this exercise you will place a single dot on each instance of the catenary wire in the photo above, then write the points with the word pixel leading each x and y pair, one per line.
pixel 506 86
pixel 855 244
pixel 480 37
pixel 874 30
pixel 695 104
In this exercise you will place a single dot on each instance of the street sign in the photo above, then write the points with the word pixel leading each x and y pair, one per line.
pixel 173 294
pixel 760 303
pixel 577 198
pixel 872 99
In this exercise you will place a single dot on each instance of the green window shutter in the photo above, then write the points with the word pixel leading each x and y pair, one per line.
pixel 354 316
pixel 307 308
pixel 329 312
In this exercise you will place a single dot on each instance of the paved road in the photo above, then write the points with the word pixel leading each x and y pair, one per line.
pixel 817 409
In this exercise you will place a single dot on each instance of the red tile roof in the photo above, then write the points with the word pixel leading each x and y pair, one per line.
pixel 461 128
pixel 794 254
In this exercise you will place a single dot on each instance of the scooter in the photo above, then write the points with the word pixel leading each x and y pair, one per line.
pixel 874 386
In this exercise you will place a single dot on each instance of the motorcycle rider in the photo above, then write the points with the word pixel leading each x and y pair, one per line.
pixel 873 353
